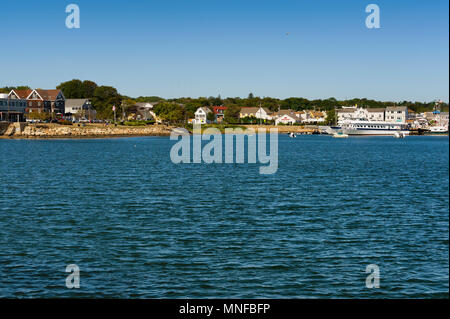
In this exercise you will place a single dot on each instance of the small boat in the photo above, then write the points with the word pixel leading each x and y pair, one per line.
pixel 340 135
pixel 292 135
pixel 438 130
pixel 399 135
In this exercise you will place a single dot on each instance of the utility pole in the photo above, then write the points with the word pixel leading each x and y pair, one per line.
pixel 259 112
pixel 123 111
pixel 9 100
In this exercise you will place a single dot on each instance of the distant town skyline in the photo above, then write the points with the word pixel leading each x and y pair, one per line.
pixel 280 49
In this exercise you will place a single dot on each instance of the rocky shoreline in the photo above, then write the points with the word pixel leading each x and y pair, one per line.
pixel 48 131
pixel 23 130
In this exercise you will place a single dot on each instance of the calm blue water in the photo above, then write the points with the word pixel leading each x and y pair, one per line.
pixel 138 225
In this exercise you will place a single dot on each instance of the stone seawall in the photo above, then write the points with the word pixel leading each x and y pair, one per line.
pixel 23 130
pixel 90 130
pixel 3 127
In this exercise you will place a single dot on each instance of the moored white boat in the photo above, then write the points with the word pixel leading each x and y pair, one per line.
pixel 361 127
pixel 399 135
pixel 438 130
pixel 340 135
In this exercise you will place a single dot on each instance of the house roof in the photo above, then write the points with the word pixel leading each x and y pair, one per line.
pixel 217 108
pixel 290 115
pixel 205 109
pixel 284 112
pixel 396 108
pixel 48 95
pixel 316 113
pixel 22 94
pixel 346 110
pixel 75 102
pixel 249 110
pixel 144 104
pixel 376 109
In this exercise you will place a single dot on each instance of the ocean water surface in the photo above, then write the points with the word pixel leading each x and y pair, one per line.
pixel 139 226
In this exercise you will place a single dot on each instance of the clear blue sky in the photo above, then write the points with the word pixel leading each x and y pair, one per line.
pixel 312 49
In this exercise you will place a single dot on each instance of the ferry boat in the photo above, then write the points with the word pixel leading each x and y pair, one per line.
pixel 364 127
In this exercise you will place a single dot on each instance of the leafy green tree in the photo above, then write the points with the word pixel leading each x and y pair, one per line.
pixel 215 101
pixel 231 114
pixel 331 117
pixel 42 116
pixel 72 89
pixel 8 89
pixel 103 99
pixel 149 99
pixel 125 105
pixel 170 112
pixel 211 117
pixel 88 88
pixel 77 89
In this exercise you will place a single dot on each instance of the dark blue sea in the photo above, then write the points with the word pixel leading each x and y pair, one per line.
pixel 139 226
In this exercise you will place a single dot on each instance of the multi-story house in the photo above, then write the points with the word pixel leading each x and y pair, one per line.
pixel 219 111
pixel 376 114
pixel 396 114
pixel 41 100
pixel 79 109
pixel 258 112
pixel 345 114
pixel 201 115
pixel 12 109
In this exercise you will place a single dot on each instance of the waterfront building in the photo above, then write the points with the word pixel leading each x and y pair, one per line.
pixel 314 116
pixel 258 112
pixel 359 113
pixel 375 114
pixel 41 100
pixel 248 112
pixel 201 116
pixel 263 113
pixel 219 112
pixel 443 119
pixel 301 115
pixel 396 114
pixel 79 109
pixel 346 114
pixel 288 118
pixel 146 105
pixel 12 109
pixel 437 118
pixel 140 111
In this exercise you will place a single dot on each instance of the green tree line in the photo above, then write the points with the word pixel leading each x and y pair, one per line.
pixel 178 110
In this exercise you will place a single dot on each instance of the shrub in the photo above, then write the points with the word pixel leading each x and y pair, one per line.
pixel 65 122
